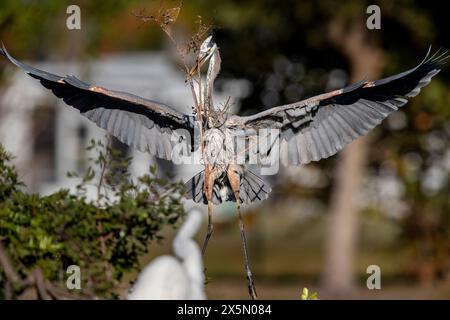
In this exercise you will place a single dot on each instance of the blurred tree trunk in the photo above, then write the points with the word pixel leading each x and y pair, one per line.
pixel 366 61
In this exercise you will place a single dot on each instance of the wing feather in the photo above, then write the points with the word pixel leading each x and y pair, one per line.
pixel 320 126
pixel 140 123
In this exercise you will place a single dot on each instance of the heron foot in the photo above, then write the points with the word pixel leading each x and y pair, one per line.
pixel 251 286
pixel 206 281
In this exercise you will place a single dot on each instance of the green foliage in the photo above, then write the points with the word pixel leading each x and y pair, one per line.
pixel 306 296
pixel 104 237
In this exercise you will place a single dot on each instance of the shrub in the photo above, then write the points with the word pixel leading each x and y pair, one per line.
pixel 40 236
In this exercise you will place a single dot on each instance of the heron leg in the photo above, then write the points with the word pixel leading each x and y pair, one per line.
pixel 251 283
pixel 210 228
pixel 234 179
pixel 208 188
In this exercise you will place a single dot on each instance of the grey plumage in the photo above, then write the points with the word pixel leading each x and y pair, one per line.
pixel 311 129
pixel 142 124
pixel 318 127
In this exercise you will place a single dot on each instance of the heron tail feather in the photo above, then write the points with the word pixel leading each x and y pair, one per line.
pixel 252 189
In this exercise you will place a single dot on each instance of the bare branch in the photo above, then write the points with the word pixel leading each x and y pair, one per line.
pixel 7 267
pixel 164 18
pixel 39 279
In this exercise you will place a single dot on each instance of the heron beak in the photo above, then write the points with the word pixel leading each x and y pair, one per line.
pixel 201 60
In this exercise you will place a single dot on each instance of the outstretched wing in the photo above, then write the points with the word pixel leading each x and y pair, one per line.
pixel 140 123
pixel 318 127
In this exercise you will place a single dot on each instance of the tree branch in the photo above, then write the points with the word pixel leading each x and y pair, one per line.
pixel 7 267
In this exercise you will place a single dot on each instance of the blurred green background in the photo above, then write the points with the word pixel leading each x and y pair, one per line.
pixel 383 201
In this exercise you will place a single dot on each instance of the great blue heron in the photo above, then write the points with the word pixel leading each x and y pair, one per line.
pixel 310 130
pixel 178 277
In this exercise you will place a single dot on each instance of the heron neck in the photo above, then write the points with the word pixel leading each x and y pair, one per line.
pixel 213 71
pixel 189 228
pixel 187 250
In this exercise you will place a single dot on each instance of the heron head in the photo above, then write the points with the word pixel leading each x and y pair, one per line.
pixel 207 49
